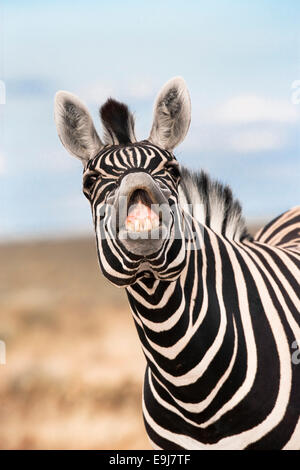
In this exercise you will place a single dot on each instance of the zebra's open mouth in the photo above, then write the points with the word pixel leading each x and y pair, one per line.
pixel 141 214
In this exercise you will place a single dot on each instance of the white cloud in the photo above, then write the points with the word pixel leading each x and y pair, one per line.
pixel 141 89
pixel 216 138
pixel 244 123
pixel 253 108
pixel 97 92
pixel 255 140
pixel 58 160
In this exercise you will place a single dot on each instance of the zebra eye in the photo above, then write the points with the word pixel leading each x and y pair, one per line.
pixel 89 182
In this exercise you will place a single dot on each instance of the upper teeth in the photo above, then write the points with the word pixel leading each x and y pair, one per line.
pixel 141 218
pixel 140 225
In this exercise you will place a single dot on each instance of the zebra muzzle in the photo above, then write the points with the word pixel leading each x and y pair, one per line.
pixel 143 214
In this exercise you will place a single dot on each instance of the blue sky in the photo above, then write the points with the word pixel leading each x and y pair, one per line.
pixel 239 60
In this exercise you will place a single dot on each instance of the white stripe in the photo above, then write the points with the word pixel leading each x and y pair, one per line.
pixel 294 442
pixel 200 406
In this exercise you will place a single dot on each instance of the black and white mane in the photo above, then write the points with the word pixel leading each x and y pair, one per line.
pixel 213 204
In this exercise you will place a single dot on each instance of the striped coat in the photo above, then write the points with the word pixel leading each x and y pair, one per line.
pixel 217 312
pixel 220 372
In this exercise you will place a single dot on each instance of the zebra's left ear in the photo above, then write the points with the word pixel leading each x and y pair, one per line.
pixel 75 127
pixel 172 115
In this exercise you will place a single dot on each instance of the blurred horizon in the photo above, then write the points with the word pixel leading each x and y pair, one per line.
pixel 239 62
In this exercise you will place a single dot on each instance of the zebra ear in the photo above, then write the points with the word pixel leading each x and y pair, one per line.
pixel 75 127
pixel 172 115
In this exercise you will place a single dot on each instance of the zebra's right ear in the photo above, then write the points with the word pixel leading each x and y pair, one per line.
pixel 172 115
pixel 75 127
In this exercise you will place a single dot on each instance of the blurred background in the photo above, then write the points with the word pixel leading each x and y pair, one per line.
pixel 74 367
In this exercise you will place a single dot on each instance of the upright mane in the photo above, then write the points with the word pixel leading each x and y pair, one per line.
pixel 212 204
pixel 118 123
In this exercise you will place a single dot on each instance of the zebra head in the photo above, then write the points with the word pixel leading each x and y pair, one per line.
pixel 132 185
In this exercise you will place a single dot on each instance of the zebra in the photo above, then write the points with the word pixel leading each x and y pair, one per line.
pixel 216 310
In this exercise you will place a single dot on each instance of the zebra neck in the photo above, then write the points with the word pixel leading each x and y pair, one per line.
pixel 179 322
